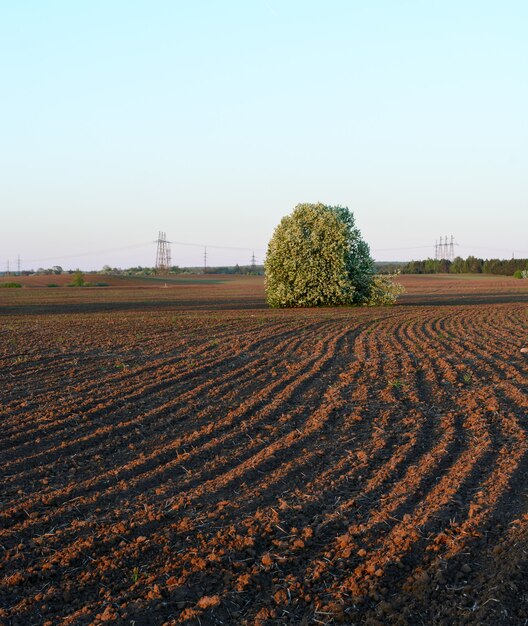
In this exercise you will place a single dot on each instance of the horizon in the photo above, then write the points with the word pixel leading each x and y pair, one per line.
pixel 231 256
pixel 213 269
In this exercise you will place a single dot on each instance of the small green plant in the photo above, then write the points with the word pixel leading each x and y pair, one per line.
pixel 78 279
pixel 467 378
pixel 135 575
pixel 11 285
pixel 396 383
pixel 53 285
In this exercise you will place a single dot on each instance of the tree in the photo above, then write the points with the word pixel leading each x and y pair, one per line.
pixel 317 257
pixel 414 267
pixel 431 266
pixel 474 265
pixel 458 265
pixel 78 279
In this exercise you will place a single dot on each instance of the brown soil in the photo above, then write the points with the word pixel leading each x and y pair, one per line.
pixel 94 280
pixel 184 455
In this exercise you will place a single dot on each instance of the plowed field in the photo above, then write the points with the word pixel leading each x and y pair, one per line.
pixel 183 455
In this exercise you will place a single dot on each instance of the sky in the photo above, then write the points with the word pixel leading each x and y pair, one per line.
pixel 210 120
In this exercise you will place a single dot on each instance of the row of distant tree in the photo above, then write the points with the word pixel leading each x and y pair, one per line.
pixel 147 271
pixel 175 269
pixel 56 270
pixel 470 265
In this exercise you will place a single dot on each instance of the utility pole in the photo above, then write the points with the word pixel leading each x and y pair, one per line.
pixel 163 254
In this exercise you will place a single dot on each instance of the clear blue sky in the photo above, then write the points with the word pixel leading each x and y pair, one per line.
pixel 211 120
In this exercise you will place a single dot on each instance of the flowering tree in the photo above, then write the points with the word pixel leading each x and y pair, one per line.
pixel 317 257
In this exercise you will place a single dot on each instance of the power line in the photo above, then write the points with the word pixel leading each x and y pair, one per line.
pixel 201 245
pixel 60 257
pixel 461 245
pixel 135 246
pixel 405 248
pixel 509 250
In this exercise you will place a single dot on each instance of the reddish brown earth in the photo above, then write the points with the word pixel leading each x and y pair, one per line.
pixel 94 280
pixel 184 455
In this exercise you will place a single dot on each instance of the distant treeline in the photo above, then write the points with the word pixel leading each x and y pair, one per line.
pixel 175 269
pixel 389 267
pixel 471 265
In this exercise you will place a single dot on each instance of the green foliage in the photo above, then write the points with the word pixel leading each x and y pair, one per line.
pixel 428 266
pixel 78 279
pixel 470 265
pixel 388 267
pixel 467 378
pixel 317 257
pixel 458 266
pixel 518 274
pixel 384 291
pixel 11 285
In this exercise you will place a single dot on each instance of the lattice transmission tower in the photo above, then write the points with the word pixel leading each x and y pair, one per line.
pixel 163 254
pixel 445 249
